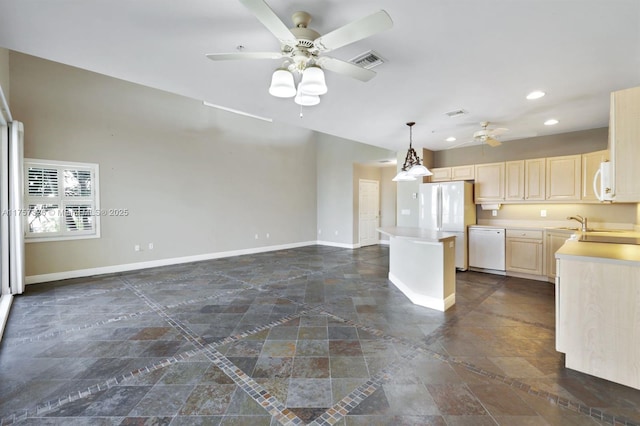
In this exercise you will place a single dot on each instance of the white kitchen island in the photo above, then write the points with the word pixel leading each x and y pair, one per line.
pixel 422 265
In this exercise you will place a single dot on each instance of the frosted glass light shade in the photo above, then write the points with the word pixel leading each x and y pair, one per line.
pixel 282 84
pixel 419 171
pixel 313 82
pixel 403 177
pixel 305 99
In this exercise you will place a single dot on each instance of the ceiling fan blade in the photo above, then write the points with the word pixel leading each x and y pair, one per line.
pixel 493 142
pixel 270 20
pixel 499 131
pixel 243 55
pixel 356 30
pixel 346 68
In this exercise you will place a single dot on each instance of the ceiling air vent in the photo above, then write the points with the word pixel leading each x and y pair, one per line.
pixel 368 60
pixel 455 113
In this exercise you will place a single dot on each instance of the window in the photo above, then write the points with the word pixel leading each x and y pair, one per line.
pixel 61 200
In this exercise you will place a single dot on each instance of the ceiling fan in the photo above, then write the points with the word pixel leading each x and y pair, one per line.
pixel 302 51
pixel 488 136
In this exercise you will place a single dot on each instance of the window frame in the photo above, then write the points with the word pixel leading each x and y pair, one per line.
pixel 61 200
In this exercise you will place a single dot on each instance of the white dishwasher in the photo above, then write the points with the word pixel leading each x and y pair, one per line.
pixel 487 249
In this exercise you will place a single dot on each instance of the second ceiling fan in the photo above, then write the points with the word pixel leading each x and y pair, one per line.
pixel 488 136
pixel 302 51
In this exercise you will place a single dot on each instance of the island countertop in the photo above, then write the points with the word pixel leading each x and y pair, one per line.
pixel 419 234
pixel 600 252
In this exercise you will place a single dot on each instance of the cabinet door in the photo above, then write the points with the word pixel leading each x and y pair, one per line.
pixel 514 180
pixel 554 240
pixel 563 178
pixel 441 174
pixel 590 165
pixel 534 179
pixel 489 185
pixel 624 134
pixel 524 256
pixel 463 172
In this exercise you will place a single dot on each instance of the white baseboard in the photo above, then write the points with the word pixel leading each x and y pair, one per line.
pixel 79 273
pixel 422 300
pixel 341 245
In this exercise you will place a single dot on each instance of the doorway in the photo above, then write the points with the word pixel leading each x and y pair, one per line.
pixel 369 211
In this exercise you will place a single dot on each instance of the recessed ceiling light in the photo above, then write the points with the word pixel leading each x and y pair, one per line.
pixel 551 122
pixel 536 94
pixel 450 139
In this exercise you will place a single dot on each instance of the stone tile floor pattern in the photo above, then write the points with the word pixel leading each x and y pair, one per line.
pixel 315 335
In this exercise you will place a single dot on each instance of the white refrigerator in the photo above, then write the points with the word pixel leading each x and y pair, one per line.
pixel 449 207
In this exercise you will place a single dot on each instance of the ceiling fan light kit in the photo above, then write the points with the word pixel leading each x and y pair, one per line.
pixel 302 49
pixel 412 167
pixel 282 84
pixel 305 99
pixel 312 82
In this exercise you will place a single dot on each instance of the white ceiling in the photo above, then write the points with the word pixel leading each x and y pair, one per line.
pixel 482 56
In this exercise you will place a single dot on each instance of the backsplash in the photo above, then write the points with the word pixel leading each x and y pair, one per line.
pixel 605 215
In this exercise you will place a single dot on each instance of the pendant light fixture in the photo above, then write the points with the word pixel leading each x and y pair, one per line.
pixel 412 167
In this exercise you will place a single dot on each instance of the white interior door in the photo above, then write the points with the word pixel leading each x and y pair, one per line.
pixel 369 211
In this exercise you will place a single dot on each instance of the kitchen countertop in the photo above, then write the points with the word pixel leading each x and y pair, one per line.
pixel 600 252
pixel 419 234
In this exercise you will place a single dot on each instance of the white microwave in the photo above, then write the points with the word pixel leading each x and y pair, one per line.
pixel 603 182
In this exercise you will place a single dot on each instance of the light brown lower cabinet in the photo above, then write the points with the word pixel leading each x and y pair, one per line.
pixel 554 239
pixel 524 251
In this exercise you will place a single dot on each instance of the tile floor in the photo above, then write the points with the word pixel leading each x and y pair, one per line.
pixel 315 335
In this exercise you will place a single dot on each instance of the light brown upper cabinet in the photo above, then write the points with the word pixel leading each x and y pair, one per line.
pixel 591 164
pixel 463 172
pixel 624 144
pixel 514 180
pixel 534 179
pixel 444 174
pixel 441 174
pixel 489 185
pixel 563 178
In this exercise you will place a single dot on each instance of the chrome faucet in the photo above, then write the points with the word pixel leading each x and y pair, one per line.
pixel 582 220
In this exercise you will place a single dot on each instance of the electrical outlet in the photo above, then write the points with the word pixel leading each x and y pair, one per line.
pixel 256 236
pixel 494 212
pixel 136 247
pixel 543 213
pixel 267 235
pixel 319 231
pixel 150 246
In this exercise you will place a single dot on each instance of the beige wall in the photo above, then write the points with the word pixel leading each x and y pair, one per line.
pixel 543 146
pixel 337 197
pixel 196 180
pixel 4 73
